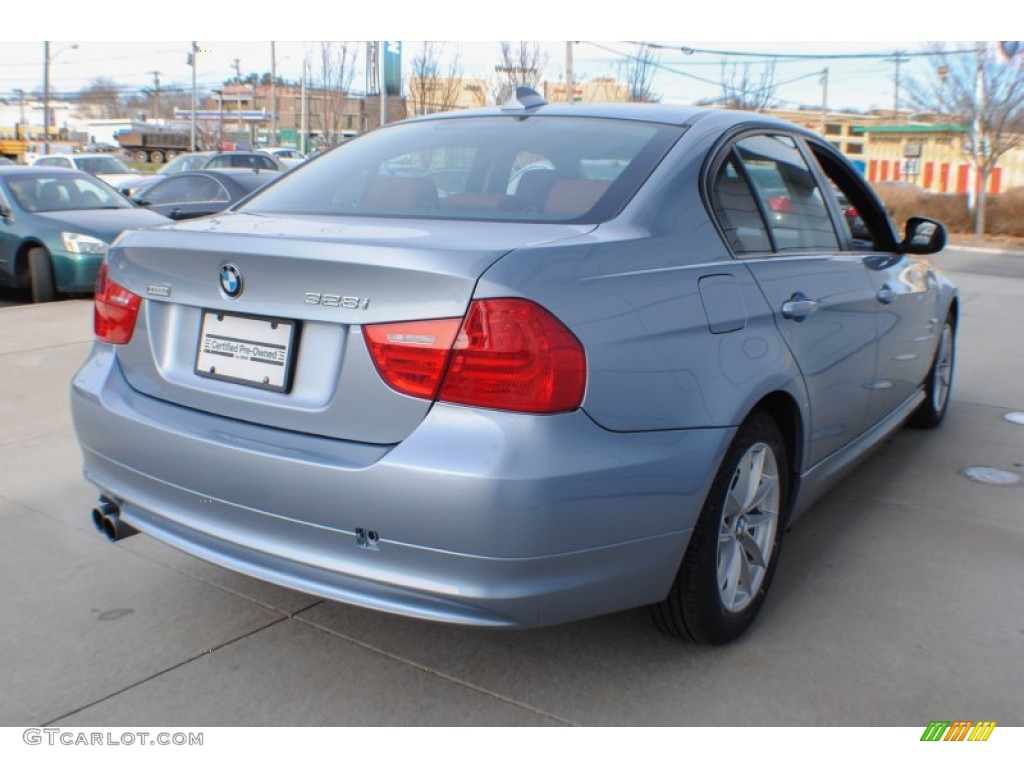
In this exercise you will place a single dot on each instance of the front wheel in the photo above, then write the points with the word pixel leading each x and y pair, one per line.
pixel 939 384
pixel 40 272
pixel 734 548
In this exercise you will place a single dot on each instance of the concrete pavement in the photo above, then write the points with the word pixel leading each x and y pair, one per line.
pixel 896 601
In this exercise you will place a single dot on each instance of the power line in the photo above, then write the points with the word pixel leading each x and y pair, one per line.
pixel 805 56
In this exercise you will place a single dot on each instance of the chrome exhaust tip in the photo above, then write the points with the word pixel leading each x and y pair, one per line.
pixel 107 519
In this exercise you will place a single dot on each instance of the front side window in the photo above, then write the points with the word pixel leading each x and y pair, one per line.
pixel 502 168
pixel 788 194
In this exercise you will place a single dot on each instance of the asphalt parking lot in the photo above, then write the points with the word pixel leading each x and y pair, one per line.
pixel 896 602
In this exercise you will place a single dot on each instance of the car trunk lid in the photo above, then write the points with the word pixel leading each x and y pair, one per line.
pixel 323 277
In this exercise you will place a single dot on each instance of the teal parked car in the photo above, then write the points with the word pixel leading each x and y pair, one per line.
pixel 55 227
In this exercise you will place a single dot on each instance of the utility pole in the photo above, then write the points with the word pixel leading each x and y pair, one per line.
pixel 192 63
pixel 897 58
pixel 383 84
pixel 569 85
pixel 824 98
pixel 20 133
pixel 977 178
pixel 156 93
pixel 46 97
pixel 220 116
pixel 238 91
pixel 302 119
pixel 273 94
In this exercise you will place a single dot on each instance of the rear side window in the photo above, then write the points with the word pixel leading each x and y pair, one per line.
pixel 789 196
pixel 541 168
pixel 737 211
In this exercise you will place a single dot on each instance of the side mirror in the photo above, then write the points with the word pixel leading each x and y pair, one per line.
pixel 923 236
pixel 5 212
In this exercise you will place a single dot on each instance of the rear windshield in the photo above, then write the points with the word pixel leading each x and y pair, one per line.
pixel 96 165
pixel 566 169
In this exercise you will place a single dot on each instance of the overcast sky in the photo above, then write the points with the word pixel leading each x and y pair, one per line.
pixel 862 83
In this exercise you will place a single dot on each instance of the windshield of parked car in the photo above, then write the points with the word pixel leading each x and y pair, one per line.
pixel 537 168
pixel 183 163
pixel 65 192
pixel 95 165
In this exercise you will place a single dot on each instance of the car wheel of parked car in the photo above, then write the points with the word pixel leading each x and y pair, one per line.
pixel 40 271
pixel 940 382
pixel 734 548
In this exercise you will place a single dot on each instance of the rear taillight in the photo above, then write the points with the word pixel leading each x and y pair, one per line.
pixel 115 310
pixel 411 357
pixel 510 354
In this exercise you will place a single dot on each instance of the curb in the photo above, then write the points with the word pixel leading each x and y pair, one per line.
pixel 990 249
pixel 1014 250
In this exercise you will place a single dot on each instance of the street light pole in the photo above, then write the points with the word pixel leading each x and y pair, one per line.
pixel 46 97
pixel 47 58
pixel 192 61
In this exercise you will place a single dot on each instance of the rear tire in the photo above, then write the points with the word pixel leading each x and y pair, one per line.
pixel 156 156
pixel 939 383
pixel 40 271
pixel 734 549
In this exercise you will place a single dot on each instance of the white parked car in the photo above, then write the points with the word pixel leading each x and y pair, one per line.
pixel 104 167
pixel 287 156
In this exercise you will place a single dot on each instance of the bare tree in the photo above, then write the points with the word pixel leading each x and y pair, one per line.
pixel 980 91
pixel 100 99
pixel 638 73
pixel 332 78
pixel 743 87
pixel 520 63
pixel 431 87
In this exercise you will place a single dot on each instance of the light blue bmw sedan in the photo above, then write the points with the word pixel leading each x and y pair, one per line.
pixel 516 366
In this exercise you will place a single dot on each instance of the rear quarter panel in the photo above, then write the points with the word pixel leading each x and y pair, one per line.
pixel 636 293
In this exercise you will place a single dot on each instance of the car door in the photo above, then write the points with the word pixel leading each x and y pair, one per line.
pixel 774 216
pixel 906 287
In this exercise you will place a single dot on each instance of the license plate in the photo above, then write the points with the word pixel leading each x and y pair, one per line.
pixel 255 351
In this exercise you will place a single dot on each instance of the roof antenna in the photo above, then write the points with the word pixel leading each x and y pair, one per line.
pixel 525 98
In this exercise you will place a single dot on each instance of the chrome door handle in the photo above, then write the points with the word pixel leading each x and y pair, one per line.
pixel 799 307
pixel 886 295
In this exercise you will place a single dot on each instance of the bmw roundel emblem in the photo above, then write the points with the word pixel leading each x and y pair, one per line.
pixel 231 280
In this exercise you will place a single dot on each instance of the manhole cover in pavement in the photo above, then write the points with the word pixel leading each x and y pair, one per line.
pixel 991 476
pixel 1017 417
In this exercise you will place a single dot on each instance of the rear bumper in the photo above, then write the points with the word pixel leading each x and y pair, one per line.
pixel 484 518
